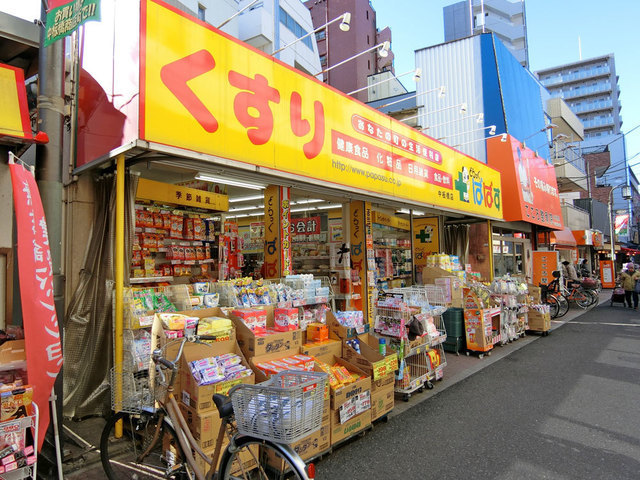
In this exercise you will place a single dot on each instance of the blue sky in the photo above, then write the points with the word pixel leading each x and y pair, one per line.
pixel 553 28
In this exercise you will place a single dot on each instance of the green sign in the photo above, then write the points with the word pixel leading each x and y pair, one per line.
pixel 65 19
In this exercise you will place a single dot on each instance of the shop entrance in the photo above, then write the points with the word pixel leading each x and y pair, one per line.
pixel 511 254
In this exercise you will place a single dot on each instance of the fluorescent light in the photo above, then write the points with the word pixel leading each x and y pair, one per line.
pixel 246 199
pixel 227 181
pixel 328 207
pixel 306 209
pixel 239 209
pixel 304 202
pixel 407 212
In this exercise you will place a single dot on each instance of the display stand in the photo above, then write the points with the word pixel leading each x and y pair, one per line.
pixel 19 427
pixel 479 322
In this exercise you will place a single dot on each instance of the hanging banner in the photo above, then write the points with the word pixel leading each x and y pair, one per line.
pixel 425 241
pixel 65 16
pixel 272 239
pixel 42 337
pixel 622 225
pixel 285 231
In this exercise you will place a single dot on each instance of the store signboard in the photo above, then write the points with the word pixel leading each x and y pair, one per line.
pixel 305 226
pixel 285 231
pixel 272 240
pixel 178 195
pixel 607 276
pixel 205 91
pixel 598 240
pixel 544 263
pixel 14 114
pixel 528 181
pixel 425 240
pixel 622 225
pixel 391 221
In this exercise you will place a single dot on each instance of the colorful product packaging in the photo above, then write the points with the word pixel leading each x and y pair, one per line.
pixel 286 319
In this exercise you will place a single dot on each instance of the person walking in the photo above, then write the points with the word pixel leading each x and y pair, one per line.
pixel 569 273
pixel 628 279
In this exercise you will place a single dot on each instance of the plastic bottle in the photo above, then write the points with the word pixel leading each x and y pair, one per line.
pixel 382 346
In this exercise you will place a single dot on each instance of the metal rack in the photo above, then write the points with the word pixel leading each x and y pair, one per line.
pixel 21 425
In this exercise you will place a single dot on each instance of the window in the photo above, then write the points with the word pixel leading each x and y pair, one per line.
pixel 323 60
pixel 295 28
pixel 201 12
pixel 321 35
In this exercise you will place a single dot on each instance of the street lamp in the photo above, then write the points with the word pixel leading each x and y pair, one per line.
pixel 626 194
pixel 463 109
pixel 442 90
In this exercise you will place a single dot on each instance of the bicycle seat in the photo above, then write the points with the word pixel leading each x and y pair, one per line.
pixel 225 407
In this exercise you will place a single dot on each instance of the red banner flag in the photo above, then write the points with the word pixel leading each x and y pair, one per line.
pixel 42 337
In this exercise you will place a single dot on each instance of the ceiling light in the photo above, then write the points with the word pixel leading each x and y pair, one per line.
pixel 305 209
pixel 328 207
pixel 239 209
pixel 227 181
pixel 304 202
pixel 246 199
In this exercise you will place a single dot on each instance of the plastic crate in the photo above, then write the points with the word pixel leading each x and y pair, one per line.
pixel 284 409
pixel 455 344
pixel 454 322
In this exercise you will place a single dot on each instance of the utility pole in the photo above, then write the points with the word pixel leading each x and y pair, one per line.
pixel 49 161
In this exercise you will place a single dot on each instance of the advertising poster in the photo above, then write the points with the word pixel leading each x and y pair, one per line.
pixel 425 241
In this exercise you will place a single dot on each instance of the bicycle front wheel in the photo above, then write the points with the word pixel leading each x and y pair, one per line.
pixel 261 460
pixel 554 307
pixel 121 457
pixel 563 304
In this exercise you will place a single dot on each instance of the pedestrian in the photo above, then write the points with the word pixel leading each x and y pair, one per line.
pixel 628 279
pixel 569 273
pixel 584 269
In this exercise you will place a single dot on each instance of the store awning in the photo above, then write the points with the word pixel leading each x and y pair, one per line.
pixel 629 251
pixel 563 238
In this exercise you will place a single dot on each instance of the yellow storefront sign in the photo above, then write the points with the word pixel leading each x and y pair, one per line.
pixel 391 221
pixel 177 195
pixel 14 112
pixel 205 91
pixel 425 240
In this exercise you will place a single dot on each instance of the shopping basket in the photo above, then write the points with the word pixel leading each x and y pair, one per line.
pixel 284 409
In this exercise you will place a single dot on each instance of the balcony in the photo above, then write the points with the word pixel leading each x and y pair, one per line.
pixel 256 28
pixel 570 168
pixel 575 218
pixel 593 106
pixel 567 121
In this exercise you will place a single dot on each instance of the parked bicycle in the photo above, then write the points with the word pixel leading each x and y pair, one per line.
pixel 156 442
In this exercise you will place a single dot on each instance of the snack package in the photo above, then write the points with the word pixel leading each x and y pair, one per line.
pixel 15 402
pixel 172 321
pixel 286 319
pixel 317 332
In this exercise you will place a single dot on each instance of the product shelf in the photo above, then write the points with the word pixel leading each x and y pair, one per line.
pixel 137 280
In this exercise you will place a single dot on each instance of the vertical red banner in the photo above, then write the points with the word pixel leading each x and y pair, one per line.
pixel 285 230
pixel 42 337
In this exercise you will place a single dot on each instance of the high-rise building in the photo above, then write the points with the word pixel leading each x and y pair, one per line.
pixel 505 18
pixel 590 88
pixel 335 45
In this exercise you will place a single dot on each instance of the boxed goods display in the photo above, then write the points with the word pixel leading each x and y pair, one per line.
pixel 204 427
pixel 264 366
pixel 286 319
pixel 539 322
pixel 200 396
pixel 345 379
pixel 344 332
pixel 366 356
pixel 330 347
pixel 450 283
pixel 255 319
pixel 255 343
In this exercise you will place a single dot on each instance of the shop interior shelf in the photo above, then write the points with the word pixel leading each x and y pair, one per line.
pixel 150 280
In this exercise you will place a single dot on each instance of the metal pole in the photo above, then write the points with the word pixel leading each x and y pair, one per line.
pixel 49 162
pixel 119 281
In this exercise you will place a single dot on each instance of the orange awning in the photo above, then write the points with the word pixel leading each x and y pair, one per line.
pixel 563 238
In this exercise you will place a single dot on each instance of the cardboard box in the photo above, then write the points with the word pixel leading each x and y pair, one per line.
pixel 246 457
pixel 331 347
pixel 539 322
pixel 276 342
pixel 369 359
pixel 450 283
pixel 340 432
pixel 382 399
pixel 260 375
pixel 200 397
pixel 12 355
pixel 343 333
pixel 535 293
pixel 383 383
pixel 341 395
pixel 204 427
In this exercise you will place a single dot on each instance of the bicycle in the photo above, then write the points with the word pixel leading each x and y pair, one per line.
pixel 156 442
pixel 574 292
pixel 552 296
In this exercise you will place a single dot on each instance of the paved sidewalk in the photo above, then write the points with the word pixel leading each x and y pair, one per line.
pixel 82 461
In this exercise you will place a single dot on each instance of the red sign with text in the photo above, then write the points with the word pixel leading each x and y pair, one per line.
pixel 305 226
pixel 42 337
pixel 527 178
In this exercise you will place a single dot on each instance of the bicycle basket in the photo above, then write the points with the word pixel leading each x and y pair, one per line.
pixel 284 409
pixel 135 395
pixel 589 283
